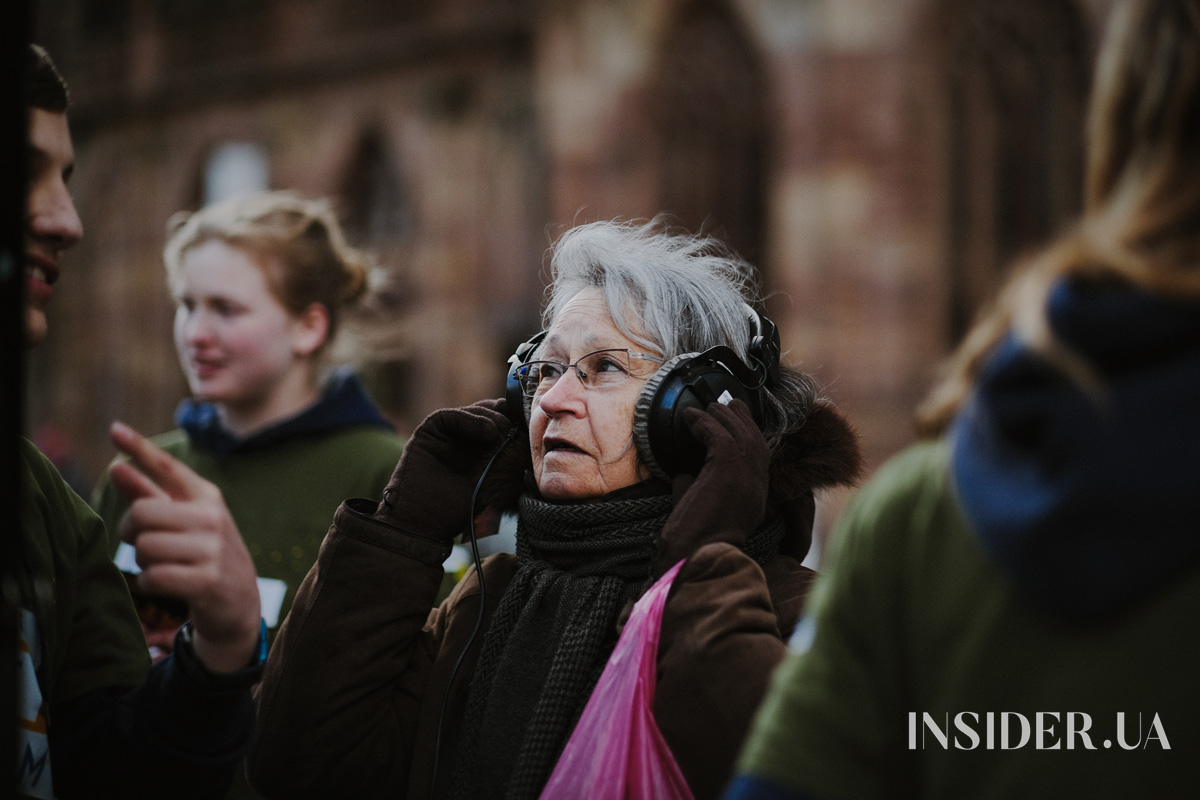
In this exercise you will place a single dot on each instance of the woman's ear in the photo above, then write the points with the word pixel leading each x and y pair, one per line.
pixel 310 330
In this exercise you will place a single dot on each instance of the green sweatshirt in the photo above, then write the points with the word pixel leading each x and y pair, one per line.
pixel 282 497
pixel 923 671
pixel 78 629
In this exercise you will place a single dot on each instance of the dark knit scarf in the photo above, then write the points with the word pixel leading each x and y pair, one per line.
pixel 552 633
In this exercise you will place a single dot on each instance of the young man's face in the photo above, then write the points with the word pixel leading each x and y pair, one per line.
pixel 51 223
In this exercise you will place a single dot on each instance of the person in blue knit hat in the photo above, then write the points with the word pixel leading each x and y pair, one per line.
pixel 1008 612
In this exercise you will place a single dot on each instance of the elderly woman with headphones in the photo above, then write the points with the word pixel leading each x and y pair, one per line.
pixel 651 422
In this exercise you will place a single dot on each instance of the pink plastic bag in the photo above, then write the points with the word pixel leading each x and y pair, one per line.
pixel 616 751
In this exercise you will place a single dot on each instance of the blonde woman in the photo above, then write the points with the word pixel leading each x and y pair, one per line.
pixel 262 285
pixel 1009 612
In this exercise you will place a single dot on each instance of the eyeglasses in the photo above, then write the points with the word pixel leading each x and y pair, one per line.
pixel 602 369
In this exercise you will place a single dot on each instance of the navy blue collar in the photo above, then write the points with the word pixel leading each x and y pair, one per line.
pixel 1088 505
pixel 342 404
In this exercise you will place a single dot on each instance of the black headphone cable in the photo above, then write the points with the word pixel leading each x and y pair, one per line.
pixel 437 744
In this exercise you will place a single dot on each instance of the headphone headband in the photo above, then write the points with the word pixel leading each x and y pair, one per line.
pixel 764 346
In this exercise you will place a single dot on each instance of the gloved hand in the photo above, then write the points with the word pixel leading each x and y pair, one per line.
pixel 430 491
pixel 727 501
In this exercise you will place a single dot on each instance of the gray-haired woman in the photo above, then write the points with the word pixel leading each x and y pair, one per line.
pixel 623 452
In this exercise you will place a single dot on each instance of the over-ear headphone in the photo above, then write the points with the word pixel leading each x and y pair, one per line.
pixel 516 405
pixel 691 380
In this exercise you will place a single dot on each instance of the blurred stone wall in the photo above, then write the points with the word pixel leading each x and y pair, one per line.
pixel 881 161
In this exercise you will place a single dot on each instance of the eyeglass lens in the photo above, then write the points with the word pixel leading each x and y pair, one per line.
pixel 598 369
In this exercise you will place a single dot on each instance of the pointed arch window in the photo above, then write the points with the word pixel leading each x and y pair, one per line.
pixel 378 215
pixel 377 208
pixel 1016 83
pixel 711 96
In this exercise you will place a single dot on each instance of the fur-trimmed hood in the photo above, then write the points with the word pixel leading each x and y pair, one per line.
pixel 822 454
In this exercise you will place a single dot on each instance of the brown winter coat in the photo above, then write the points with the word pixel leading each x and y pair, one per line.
pixel 356 681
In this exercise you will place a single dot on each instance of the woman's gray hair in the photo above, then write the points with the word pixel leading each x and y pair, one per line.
pixel 675 293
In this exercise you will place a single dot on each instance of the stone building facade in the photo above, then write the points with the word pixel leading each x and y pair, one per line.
pixel 881 161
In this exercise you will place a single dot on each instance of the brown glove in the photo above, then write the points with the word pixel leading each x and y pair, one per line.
pixel 430 492
pixel 727 501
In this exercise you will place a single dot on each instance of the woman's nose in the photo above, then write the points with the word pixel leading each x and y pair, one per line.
pixel 196 326
pixel 566 395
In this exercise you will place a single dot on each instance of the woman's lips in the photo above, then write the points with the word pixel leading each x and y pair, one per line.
pixel 562 446
pixel 205 369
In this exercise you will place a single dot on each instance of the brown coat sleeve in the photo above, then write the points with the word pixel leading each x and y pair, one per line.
pixel 340 699
pixel 720 642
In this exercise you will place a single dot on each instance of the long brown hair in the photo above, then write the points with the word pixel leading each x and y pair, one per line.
pixel 1141 218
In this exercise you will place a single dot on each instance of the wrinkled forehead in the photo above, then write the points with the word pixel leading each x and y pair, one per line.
pixel 584 324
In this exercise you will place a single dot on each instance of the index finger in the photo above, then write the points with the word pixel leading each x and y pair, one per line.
pixel 132 484
pixel 162 469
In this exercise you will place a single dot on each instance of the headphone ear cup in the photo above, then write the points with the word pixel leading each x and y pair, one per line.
pixel 660 432
pixel 514 400
pixel 516 404
pixel 645 409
